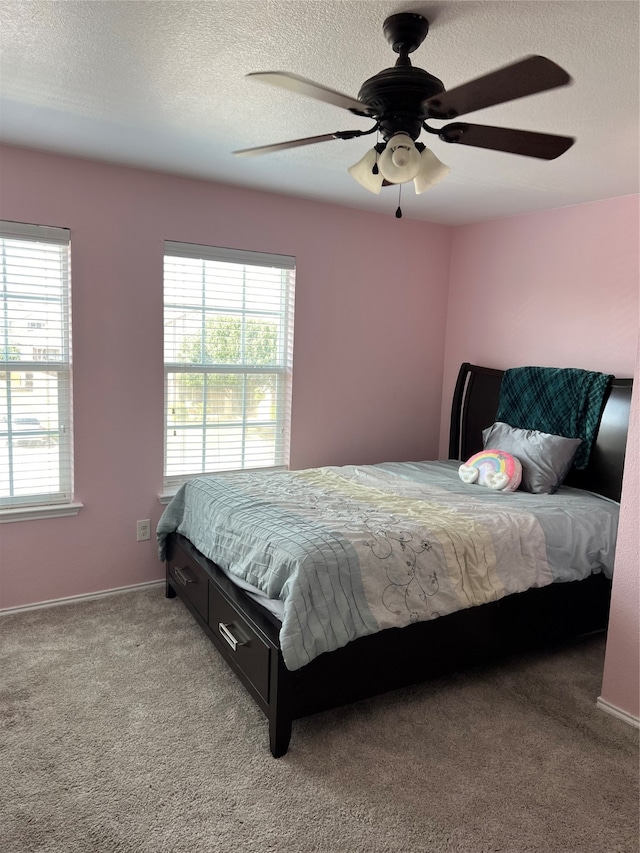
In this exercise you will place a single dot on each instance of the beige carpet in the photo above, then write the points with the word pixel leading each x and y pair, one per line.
pixel 122 730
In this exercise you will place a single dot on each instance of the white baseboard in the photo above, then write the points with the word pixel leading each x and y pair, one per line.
pixel 618 712
pixel 55 602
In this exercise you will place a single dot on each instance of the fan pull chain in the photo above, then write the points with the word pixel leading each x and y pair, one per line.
pixel 375 169
pixel 399 210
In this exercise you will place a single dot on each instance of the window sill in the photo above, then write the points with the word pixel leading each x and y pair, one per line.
pixel 30 513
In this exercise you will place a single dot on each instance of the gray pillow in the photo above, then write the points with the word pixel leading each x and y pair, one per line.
pixel 545 458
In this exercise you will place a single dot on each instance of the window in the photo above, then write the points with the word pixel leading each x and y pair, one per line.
pixel 35 368
pixel 228 346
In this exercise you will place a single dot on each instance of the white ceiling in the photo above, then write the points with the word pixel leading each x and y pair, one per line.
pixel 162 85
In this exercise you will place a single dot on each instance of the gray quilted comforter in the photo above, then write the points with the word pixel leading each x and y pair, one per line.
pixel 353 550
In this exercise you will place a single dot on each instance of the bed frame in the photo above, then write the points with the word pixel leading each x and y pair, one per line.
pixel 247 635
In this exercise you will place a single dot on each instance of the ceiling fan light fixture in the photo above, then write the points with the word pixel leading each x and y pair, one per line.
pixel 362 172
pixel 400 161
pixel 405 97
pixel 431 172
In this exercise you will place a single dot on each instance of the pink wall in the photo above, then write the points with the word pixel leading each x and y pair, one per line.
pixel 368 354
pixel 560 288
pixel 621 682
pixel 557 288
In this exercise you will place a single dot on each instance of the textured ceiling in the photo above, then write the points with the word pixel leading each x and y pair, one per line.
pixel 162 85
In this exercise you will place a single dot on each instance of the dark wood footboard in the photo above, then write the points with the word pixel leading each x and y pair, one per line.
pixel 245 634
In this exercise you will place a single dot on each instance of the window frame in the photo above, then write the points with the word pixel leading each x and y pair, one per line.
pixel 45 504
pixel 286 264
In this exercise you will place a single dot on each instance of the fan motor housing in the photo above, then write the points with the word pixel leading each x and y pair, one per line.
pixel 396 95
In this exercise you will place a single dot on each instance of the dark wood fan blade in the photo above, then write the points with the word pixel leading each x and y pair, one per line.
pixel 281 146
pixel 301 86
pixel 546 146
pixel 526 77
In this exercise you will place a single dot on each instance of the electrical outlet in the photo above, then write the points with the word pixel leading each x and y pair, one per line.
pixel 144 529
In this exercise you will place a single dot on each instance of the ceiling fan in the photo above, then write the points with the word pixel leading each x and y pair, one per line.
pixel 401 99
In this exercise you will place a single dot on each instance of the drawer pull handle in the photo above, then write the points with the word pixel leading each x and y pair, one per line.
pixel 234 642
pixel 183 576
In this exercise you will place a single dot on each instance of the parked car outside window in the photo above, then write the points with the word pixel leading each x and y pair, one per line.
pixel 25 432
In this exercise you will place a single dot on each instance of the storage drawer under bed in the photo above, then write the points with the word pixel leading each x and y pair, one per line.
pixel 245 643
pixel 241 644
pixel 190 579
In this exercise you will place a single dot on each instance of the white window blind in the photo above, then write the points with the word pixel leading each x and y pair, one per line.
pixel 228 350
pixel 35 366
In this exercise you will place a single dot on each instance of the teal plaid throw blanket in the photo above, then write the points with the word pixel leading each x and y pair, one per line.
pixel 560 401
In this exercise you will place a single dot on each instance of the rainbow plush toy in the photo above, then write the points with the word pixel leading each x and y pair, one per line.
pixel 495 469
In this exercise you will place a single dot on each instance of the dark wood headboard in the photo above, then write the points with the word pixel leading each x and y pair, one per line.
pixel 474 407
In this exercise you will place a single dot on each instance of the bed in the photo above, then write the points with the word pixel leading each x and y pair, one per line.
pixel 410 606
